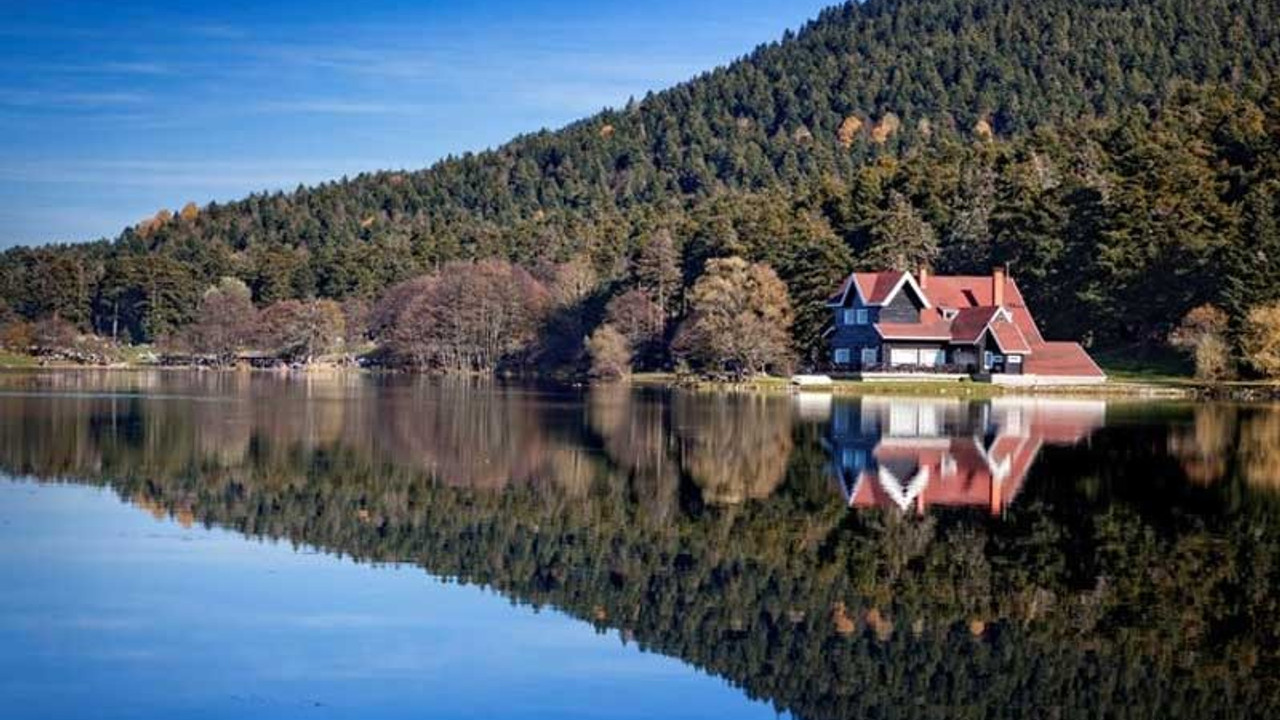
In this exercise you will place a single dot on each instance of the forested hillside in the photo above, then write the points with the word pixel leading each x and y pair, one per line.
pixel 1121 156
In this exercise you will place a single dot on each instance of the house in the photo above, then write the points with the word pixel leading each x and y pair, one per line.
pixel 894 323
pixel 914 454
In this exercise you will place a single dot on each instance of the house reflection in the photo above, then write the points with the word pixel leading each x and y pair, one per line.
pixel 913 454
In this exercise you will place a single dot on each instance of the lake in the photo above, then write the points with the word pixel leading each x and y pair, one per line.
pixel 248 545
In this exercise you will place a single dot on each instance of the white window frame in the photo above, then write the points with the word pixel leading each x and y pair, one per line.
pixel 1014 359
pixel 904 357
pixel 870 356
pixel 843 356
pixel 988 360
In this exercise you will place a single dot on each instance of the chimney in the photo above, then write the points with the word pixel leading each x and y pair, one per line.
pixel 997 285
pixel 922 276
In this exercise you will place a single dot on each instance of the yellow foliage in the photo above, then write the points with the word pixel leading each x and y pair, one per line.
pixel 885 129
pixel 841 620
pixel 1261 339
pixel 879 624
pixel 1259 453
pixel 848 131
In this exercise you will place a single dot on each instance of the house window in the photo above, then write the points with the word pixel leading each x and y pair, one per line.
pixel 854 459
pixel 942 357
pixel 904 356
pixel 987 360
pixel 842 356
pixel 1015 359
pixel 869 356
pixel 855 317
pixel 949 313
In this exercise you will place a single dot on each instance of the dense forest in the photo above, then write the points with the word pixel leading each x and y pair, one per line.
pixel 1122 156
pixel 1133 577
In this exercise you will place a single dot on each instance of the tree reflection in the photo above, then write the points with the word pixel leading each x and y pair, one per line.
pixel 734 446
pixel 1115 584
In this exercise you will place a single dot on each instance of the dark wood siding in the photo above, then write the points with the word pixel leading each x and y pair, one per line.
pixel 853 337
pixel 904 308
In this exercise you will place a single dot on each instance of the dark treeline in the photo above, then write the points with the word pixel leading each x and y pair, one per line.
pixel 1132 578
pixel 1121 156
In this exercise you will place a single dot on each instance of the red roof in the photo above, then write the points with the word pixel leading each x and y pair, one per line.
pixel 1009 337
pixel 1061 358
pixel 940 330
pixel 970 301
pixel 959 473
pixel 875 288
pixel 970 323
pixel 978 291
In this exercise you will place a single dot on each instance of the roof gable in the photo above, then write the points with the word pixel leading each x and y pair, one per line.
pixel 876 288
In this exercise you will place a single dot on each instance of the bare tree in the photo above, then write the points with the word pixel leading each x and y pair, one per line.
pixel 225 322
pixel 656 268
pixel 640 320
pixel 610 353
pixel 469 316
pixel 301 331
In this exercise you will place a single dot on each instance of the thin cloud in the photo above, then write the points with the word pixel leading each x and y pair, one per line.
pixel 69 99
pixel 336 107
pixel 136 68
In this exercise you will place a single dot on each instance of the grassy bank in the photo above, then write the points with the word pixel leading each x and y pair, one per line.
pixel 16 360
pixel 1128 383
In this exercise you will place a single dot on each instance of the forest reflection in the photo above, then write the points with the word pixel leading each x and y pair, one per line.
pixel 841 557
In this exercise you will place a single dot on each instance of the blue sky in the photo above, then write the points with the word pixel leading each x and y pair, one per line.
pixel 112 110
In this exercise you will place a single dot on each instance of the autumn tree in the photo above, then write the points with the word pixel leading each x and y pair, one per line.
pixel 53 335
pixel 639 319
pixel 17 336
pixel 573 309
pixel 1202 333
pixel 1260 340
pixel 739 320
pixel 302 330
pixel 469 316
pixel 226 321
pixel 610 353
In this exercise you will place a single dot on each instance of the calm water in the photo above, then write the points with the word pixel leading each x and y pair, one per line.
pixel 203 545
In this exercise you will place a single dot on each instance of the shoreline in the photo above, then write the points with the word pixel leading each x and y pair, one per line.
pixel 1173 389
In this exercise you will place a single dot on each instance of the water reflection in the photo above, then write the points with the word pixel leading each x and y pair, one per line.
pixel 840 557
pixel 916 453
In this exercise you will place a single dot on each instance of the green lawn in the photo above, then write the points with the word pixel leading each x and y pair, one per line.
pixel 15 360
pixel 1159 367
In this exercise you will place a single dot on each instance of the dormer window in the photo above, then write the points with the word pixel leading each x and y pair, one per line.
pixel 949 313
pixel 855 316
